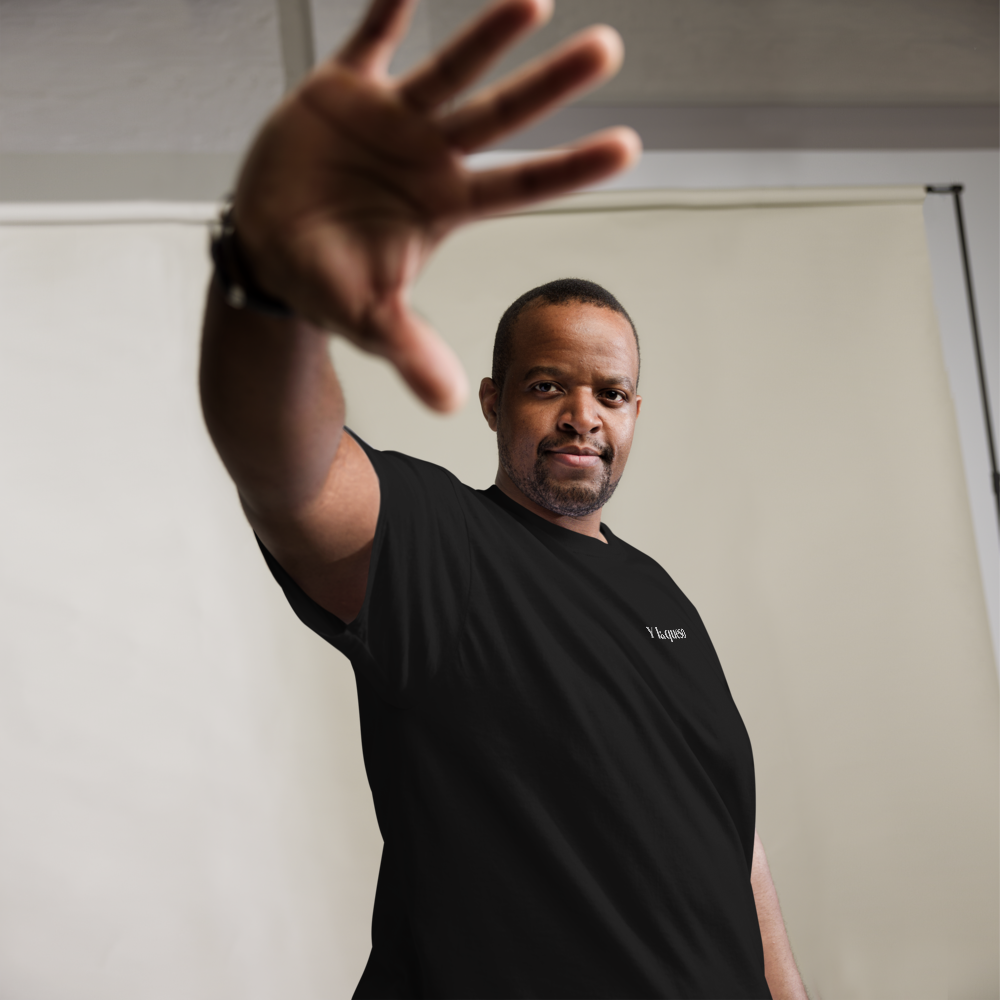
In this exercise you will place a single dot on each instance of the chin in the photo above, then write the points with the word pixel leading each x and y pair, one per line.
pixel 573 498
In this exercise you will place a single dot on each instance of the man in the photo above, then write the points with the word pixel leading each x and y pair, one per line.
pixel 564 786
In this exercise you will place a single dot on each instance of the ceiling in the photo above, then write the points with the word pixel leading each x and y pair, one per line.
pixel 177 86
pixel 197 74
pixel 125 75
pixel 756 74
pixel 799 52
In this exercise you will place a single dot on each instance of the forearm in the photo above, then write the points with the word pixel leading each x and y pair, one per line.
pixel 779 964
pixel 272 404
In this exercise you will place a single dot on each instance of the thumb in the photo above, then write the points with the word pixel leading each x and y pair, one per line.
pixel 428 365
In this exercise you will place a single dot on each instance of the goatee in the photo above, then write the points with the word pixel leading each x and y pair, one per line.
pixel 569 499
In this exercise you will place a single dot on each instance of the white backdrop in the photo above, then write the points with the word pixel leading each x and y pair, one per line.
pixel 185 811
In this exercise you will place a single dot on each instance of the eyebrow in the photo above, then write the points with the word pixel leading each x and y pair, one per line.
pixel 608 380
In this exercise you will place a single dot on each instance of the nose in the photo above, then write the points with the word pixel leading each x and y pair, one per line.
pixel 581 415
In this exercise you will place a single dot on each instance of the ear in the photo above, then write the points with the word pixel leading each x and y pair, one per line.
pixel 489 400
pixel 638 405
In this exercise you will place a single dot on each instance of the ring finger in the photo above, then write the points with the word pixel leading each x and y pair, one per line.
pixel 470 53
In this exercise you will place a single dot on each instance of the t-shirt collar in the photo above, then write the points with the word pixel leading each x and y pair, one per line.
pixel 566 536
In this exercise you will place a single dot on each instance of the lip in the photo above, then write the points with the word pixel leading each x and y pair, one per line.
pixel 574 458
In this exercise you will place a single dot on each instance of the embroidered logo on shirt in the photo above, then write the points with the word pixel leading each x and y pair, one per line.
pixel 668 633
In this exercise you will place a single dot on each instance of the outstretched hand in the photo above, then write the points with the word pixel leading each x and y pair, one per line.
pixel 356 177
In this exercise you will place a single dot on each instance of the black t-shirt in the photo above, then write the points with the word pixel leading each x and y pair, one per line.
pixel 563 783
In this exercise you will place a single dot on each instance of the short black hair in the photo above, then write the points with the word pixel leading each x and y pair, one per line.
pixel 553 293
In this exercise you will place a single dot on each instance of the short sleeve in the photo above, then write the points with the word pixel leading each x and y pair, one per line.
pixel 418 579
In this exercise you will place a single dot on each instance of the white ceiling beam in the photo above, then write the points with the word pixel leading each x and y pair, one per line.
pixel 298 44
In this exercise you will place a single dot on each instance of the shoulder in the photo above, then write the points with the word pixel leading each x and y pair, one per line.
pixel 393 464
pixel 408 476
pixel 646 566
pixel 416 496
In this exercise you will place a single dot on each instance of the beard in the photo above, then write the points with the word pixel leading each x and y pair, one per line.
pixel 569 499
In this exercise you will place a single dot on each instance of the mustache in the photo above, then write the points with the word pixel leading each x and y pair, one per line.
pixel 604 451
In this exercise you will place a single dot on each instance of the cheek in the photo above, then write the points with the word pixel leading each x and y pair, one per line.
pixel 623 442
pixel 523 447
pixel 522 428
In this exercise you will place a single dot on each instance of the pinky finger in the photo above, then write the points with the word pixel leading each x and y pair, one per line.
pixel 370 48
pixel 558 172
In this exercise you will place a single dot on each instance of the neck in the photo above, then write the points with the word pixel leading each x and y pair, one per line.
pixel 587 524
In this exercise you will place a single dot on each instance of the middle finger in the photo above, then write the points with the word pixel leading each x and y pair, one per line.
pixel 583 62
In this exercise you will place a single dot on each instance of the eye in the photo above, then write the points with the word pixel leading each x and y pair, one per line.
pixel 615 396
pixel 545 387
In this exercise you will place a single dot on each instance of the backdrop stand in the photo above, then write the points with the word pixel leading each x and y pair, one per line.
pixel 955 190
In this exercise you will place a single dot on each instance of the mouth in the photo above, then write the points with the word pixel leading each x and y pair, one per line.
pixel 574 457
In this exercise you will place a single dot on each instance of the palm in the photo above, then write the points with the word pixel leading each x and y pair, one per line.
pixel 357 177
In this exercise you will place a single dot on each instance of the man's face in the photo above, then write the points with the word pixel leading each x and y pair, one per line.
pixel 567 412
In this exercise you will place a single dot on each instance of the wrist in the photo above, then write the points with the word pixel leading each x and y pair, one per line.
pixel 233 272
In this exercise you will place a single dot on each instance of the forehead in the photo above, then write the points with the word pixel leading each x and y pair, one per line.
pixel 573 334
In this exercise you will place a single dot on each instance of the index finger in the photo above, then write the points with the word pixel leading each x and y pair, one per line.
pixel 555 172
